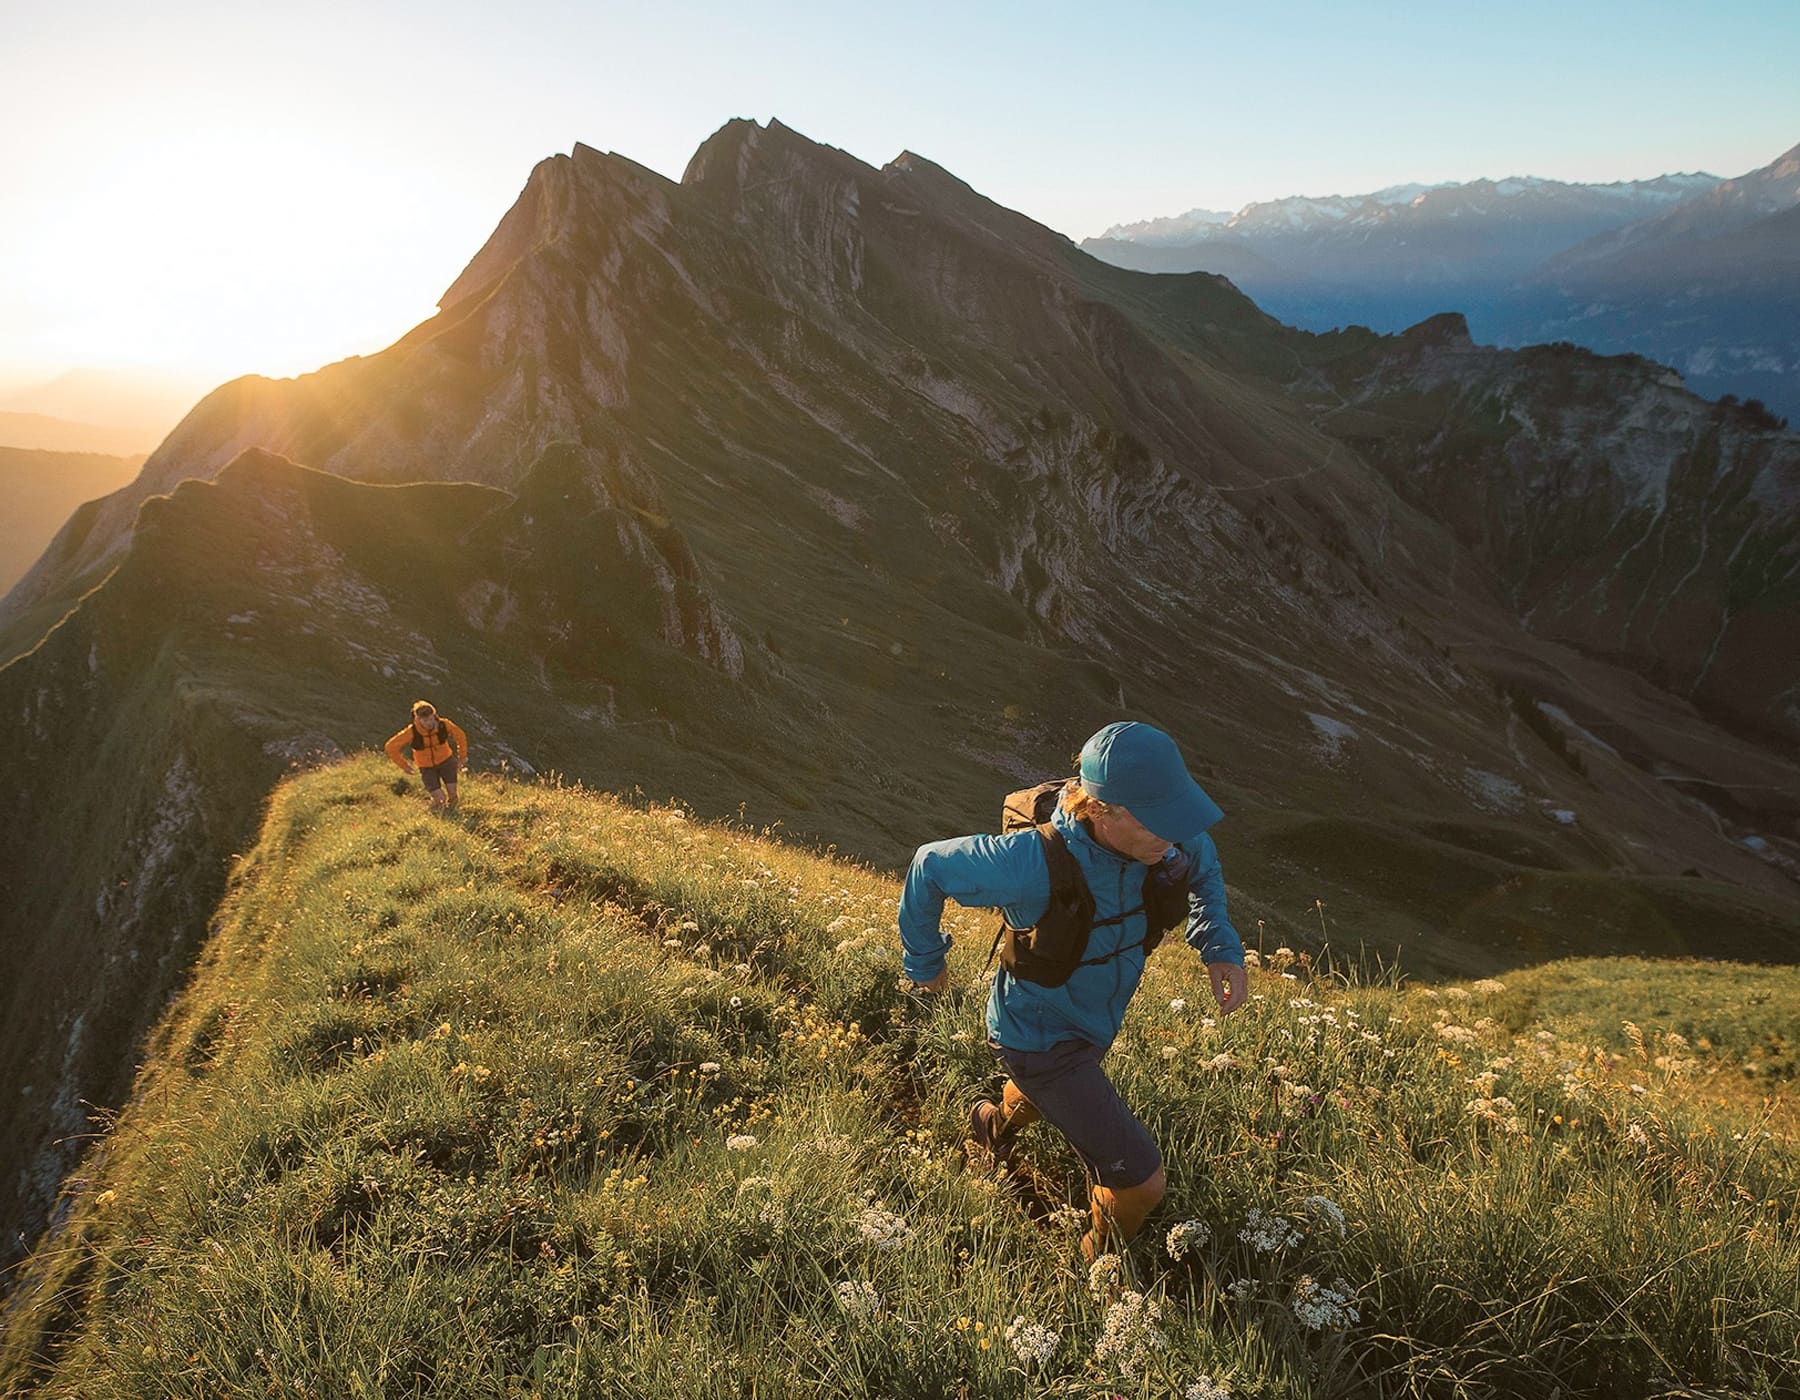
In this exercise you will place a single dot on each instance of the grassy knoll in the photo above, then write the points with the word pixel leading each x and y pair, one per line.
pixel 563 1096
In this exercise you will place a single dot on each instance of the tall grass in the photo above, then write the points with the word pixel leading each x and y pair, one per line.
pixel 563 1096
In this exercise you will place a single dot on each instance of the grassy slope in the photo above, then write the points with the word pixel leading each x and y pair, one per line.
pixel 446 1107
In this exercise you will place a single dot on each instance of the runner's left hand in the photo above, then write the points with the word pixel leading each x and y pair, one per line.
pixel 1230 985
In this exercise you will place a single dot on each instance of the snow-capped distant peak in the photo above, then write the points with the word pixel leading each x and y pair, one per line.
pixel 1526 196
pixel 1182 228
pixel 1407 194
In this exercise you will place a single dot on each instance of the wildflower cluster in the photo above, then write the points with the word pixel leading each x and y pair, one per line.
pixel 858 1298
pixel 1104 1275
pixel 1187 1238
pixel 818 1036
pixel 1130 1336
pixel 1318 1306
pixel 1501 1111
pixel 1032 1342
pixel 1206 1388
pixel 883 1228
pixel 1266 1233
pixel 1326 1212
pixel 757 1197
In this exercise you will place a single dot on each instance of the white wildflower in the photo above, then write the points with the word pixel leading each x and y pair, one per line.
pixel 1178 1006
pixel 1456 993
pixel 1321 1208
pixel 1223 1060
pixel 757 1194
pixel 1067 1217
pixel 1484 1083
pixel 1252 958
pixel 1130 1334
pixel 1169 1052
pixel 709 1067
pixel 1187 1238
pixel 1104 1275
pixel 1636 1135
pixel 736 1002
pixel 883 1228
pixel 858 1298
pixel 1266 1233
pixel 834 1146
pixel 1457 1035
pixel 1240 1289
pixel 1032 1342
pixel 1206 1388
pixel 1488 987
pixel 741 1142
pixel 1500 1111
pixel 1317 1306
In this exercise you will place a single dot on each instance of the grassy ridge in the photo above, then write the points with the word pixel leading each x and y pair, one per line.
pixel 563 1096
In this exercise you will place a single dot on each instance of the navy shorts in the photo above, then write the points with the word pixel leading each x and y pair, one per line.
pixel 445 772
pixel 1066 1084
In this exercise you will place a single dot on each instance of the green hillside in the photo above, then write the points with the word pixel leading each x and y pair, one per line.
pixel 567 1096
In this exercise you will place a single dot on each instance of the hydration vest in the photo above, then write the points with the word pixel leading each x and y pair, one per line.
pixel 420 744
pixel 1049 952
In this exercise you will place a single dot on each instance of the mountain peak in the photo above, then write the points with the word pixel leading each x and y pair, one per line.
pixel 743 151
pixel 1449 329
pixel 548 207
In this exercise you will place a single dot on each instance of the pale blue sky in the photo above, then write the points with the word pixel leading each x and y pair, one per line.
pixel 218 188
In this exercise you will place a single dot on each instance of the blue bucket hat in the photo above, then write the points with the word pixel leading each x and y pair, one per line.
pixel 1137 767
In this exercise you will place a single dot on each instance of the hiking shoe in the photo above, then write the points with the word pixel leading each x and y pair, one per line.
pixel 987 1136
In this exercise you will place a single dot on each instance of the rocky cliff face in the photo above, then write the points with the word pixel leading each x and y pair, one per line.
pixel 843 497
pixel 1620 513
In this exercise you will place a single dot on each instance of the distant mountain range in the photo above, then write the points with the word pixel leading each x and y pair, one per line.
pixel 94 410
pixel 846 499
pixel 1690 270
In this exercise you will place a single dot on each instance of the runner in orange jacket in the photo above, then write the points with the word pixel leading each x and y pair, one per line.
pixel 437 745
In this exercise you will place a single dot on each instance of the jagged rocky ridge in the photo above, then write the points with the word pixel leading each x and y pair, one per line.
pixel 848 498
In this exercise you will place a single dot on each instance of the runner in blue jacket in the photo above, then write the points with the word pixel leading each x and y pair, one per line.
pixel 1132 805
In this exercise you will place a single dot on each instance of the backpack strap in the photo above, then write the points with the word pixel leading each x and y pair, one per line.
pixel 1066 881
